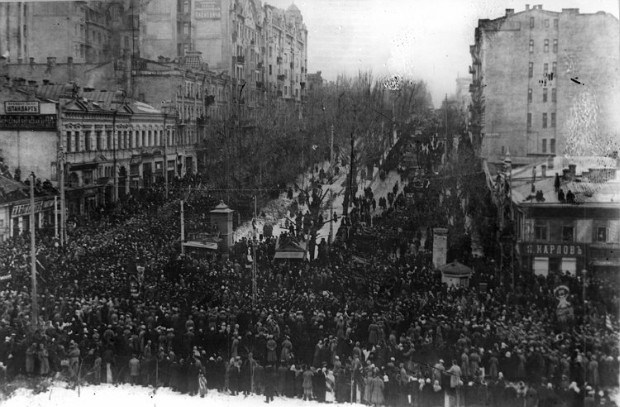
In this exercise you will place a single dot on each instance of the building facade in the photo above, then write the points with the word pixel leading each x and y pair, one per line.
pixel 562 231
pixel 86 31
pixel 262 48
pixel 46 128
pixel 529 71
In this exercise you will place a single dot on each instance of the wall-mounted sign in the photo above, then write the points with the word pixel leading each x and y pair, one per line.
pixel 19 210
pixel 561 249
pixel 28 122
pixel 207 10
pixel 22 108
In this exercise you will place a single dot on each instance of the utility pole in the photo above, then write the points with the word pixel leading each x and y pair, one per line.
pixel 254 286
pixel 55 217
pixel 115 195
pixel 182 227
pixel 331 216
pixel 331 147
pixel 165 152
pixel 33 257
pixel 61 171
pixel 350 194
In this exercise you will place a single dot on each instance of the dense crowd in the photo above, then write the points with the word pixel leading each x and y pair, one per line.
pixel 381 329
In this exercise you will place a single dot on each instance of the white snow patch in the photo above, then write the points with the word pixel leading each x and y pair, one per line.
pixel 106 395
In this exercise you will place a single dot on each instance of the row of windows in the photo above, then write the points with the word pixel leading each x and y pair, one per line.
pixel 546 74
pixel 545 95
pixel 545 123
pixel 556 23
pixel 541 232
pixel 102 141
pixel 545 46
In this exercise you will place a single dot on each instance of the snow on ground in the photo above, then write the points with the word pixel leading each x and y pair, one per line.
pixel 276 211
pixel 126 395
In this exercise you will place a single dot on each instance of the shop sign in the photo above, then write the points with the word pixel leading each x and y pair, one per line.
pixel 20 210
pixel 28 122
pixel 22 108
pixel 207 10
pixel 553 249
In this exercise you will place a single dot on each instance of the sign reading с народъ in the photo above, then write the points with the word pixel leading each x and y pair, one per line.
pixel 22 107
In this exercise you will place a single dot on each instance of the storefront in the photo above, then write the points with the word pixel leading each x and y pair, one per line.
pixel 543 258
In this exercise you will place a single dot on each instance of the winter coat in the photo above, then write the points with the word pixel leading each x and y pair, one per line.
pixel 272 357
pixel 134 367
pixel 376 391
pixel 44 363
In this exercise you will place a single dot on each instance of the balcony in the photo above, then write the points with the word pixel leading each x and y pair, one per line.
pixel 471 69
pixel 281 77
pixel 259 65
pixel 279 60
pixel 240 60
pixel 279 93
pixel 303 85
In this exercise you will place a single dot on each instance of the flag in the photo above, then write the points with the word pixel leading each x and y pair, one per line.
pixel 608 324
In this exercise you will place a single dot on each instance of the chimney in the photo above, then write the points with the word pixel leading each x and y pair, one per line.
pixel 572 170
pixel 543 170
pixel 31 61
pixel 566 175
pixel 527 7
pixel 51 61
pixel 69 60
pixel 509 12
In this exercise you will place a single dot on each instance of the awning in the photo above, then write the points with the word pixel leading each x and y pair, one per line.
pixel 290 255
pixel 84 166
pixel 200 245
pixel 606 263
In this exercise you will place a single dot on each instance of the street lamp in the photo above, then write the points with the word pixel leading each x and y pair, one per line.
pixel 583 283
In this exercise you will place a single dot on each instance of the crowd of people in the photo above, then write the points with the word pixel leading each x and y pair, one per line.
pixel 380 329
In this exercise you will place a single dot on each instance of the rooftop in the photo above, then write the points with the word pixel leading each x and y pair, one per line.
pixel 593 180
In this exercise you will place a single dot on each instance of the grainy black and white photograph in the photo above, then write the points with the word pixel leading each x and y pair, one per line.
pixel 382 203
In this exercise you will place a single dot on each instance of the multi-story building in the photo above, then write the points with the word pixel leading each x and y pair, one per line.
pixel 82 30
pixel 262 48
pixel 529 71
pixel 573 227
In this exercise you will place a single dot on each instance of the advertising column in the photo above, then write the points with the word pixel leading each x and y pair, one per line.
pixel 440 246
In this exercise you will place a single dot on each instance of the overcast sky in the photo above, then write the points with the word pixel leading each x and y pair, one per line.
pixel 424 39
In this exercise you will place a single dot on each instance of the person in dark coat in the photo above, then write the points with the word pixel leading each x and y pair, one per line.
pixel 270 383
pixel 289 381
pixel 319 385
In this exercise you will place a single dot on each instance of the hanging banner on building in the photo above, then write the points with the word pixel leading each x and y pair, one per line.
pixel 560 249
pixel 440 246
pixel 207 10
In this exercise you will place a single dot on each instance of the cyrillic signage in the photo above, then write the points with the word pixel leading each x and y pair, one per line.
pixel 22 108
pixel 28 122
pixel 19 210
pixel 207 10
pixel 560 249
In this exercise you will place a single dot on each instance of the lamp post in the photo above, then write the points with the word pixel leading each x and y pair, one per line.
pixel 33 257
pixel 583 323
